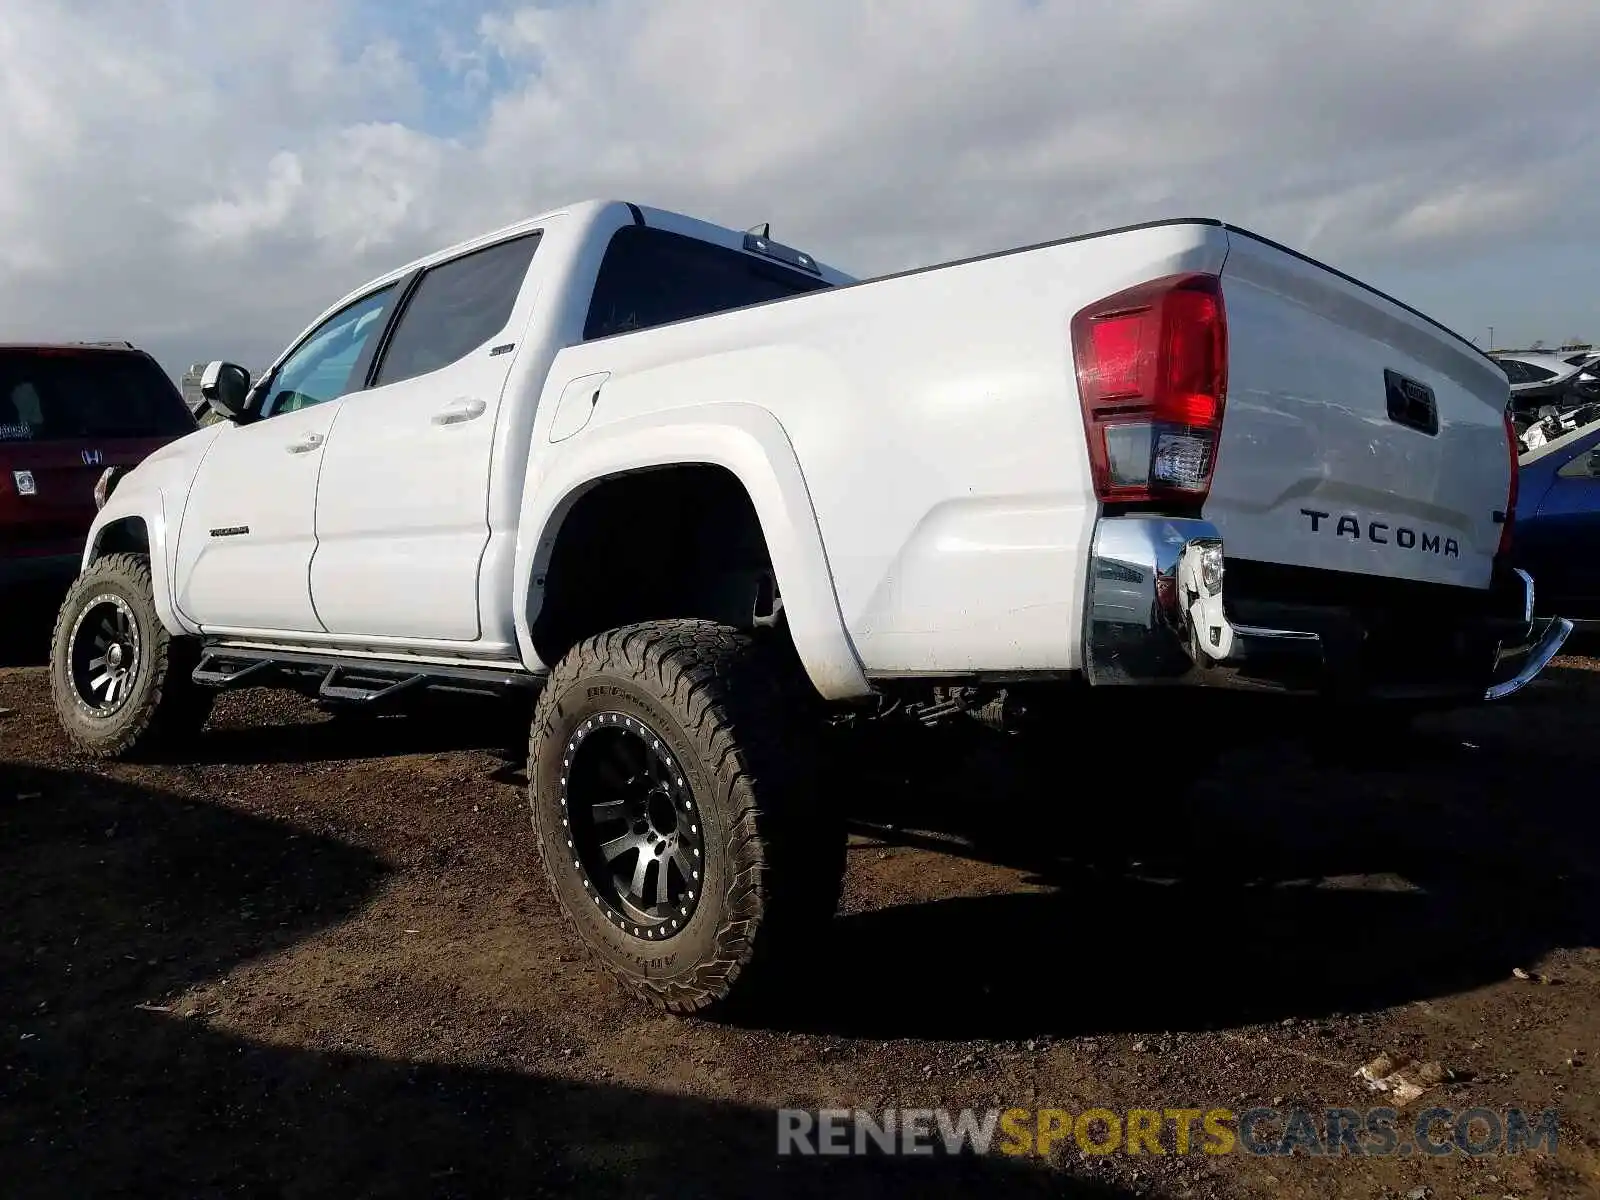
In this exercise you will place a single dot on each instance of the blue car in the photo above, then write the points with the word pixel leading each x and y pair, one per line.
pixel 1556 538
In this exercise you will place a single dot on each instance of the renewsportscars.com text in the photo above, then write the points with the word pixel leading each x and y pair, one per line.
pixel 1280 1132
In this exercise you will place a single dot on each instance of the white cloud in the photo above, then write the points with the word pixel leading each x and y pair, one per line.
pixel 1477 209
pixel 204 176
pixel 350 192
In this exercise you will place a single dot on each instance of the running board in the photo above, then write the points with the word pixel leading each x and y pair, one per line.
pixel 353 681
pixel 368 693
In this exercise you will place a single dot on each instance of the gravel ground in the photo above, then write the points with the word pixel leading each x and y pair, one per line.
pixel 318 959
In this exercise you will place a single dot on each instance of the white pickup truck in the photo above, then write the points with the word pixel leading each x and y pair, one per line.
pixel 700 492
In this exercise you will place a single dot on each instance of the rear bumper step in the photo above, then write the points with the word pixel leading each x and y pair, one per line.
pixel 1158 614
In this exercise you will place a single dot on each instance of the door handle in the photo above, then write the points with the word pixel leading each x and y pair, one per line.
pixel 458 411
pixel 306 444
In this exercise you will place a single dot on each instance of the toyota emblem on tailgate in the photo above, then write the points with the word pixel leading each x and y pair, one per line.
pixel 91 458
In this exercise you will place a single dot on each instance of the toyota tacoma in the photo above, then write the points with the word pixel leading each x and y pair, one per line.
pixel 694 494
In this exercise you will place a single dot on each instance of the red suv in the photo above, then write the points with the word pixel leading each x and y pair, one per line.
pixel 67 412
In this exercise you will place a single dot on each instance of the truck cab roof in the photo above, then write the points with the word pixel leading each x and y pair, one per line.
pixel 586 212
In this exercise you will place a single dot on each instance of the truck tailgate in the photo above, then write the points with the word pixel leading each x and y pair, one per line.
pixel 1358 436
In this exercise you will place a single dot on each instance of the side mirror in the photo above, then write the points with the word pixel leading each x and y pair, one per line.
pixel 226 387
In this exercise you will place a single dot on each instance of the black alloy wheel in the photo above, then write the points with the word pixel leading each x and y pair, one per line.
pixel 103 651
pixel 635 830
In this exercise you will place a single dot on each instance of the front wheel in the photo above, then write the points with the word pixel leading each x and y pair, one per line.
pixel 671 780
pixel 120 682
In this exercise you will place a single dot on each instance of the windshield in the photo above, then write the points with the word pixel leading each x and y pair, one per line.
pixel 65 395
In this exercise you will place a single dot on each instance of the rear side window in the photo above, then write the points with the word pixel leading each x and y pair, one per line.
pixel 69 395
pixel 1521 372
pixel 651 277
pixel 456 307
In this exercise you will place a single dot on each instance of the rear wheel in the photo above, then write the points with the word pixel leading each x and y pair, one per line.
pixel 671 779
pixel 120 682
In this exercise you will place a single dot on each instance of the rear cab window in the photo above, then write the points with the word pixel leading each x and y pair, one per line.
pixel 50 394
pixel 652 277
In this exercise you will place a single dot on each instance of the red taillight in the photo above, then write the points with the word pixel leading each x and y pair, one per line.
pixel 1152 366
pixel 1511 491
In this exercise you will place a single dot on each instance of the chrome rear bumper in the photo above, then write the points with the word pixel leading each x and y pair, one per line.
pixel 1517 666
pixel 1156 613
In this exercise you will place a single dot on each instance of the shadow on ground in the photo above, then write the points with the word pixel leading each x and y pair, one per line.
pixel 29 617
pixel 112 895
pixel 429 725
pixel 1287 877
pixel 1183 879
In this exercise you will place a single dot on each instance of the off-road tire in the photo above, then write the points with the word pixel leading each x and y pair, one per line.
pixel 741 721
pixel 165 707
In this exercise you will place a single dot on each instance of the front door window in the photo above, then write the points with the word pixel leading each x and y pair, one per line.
pixel 327 363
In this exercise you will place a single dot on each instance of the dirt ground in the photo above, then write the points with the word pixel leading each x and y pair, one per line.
pixel 319 960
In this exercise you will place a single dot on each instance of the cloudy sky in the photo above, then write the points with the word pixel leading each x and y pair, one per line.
pixel 203 176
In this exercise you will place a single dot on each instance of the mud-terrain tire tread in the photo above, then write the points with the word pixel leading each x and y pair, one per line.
pixel 748 713
pixel 170 707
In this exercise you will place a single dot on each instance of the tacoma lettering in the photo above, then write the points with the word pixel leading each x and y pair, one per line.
pixel 1379 533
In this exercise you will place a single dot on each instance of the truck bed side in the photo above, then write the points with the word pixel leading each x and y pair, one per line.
pixel 935 418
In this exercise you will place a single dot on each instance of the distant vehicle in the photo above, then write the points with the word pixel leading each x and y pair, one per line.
pixel 1538 380
pixel 68 413
pixel 1556 534
pixel 1551 422
pixel 1551 393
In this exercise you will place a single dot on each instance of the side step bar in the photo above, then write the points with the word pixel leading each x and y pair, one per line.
pixel 354 681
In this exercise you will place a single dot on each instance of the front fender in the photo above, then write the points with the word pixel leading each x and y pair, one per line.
pixel 745 440
pixel 146 505
pixel 153 492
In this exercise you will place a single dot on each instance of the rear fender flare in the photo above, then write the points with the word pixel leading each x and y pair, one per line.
pixel 747 441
